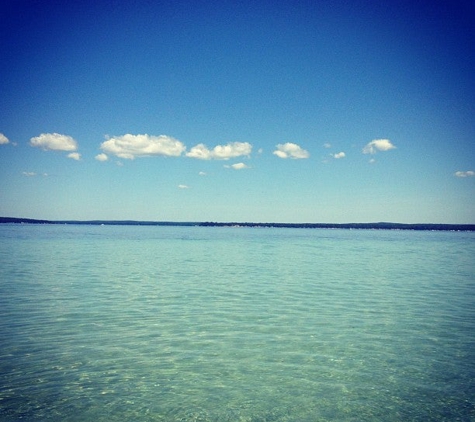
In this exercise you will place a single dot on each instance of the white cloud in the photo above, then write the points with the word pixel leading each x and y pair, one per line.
pixel 183 186
pixel 290 150
pixel 54 142
pixel 238 166
pixel 132 146
pixel 101 157
pixel 3 139
pixel 339 155
pixel 468 173
pixel 75 156
pixel 202 173
pixel 220 152
pixel 29 173
pixel 199 151
pixel 378 145
pixel 372 161
pixel 327 145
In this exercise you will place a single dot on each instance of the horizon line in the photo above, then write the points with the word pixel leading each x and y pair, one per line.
pixel 370 225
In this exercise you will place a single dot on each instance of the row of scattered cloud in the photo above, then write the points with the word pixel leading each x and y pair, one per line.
pixel 134 146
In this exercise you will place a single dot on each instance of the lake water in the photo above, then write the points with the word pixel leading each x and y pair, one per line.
pixel 129 323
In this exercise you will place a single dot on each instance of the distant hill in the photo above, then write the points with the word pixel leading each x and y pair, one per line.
pixel 360 226
pixel 23 220
pixel 95 222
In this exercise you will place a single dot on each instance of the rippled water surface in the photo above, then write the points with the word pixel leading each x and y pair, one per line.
pixel 128 323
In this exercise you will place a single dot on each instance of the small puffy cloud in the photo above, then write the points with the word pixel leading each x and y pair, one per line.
pixel 54 142
pixel 75 156
pixel 3 139
pixel 339 155
pixel 199 151
pixel 290 150
pixel 132 146
pixel 101 157
pixel 29 173
pixel 378 145
pixel 183 187
pixel 202 173
pixel 468 173
pixel 327 145
pixel 220 152
pixel 237 166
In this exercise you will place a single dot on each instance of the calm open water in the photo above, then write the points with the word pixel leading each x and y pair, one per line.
pixel 128 323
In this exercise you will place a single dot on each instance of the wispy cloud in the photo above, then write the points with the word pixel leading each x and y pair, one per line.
pixel 238 166
pixel 378 145
pixel 75 156
pixel 468 173
pixel 131 146
pixel 54 142
pixel 101 157
pixel 183 187
pixel 327 145
pixel 339 155
pixel 290 150
pixel 33 174
pixel 220 152
pixel 3 139
pixel 202 173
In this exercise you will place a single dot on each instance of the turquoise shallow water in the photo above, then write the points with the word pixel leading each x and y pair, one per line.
pixel 135 323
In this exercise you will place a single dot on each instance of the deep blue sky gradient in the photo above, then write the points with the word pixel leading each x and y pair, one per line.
pixel 265 72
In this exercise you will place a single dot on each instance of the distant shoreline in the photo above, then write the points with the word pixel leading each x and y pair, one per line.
pixel 364 226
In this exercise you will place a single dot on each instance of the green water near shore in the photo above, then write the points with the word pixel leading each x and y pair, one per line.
pixel 235 324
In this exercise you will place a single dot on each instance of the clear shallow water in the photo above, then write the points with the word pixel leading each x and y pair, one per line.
pixel 135 323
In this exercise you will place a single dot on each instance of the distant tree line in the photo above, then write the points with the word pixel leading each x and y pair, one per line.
pixel 367 226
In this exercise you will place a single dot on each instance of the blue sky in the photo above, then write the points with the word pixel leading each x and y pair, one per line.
pixel 265 111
